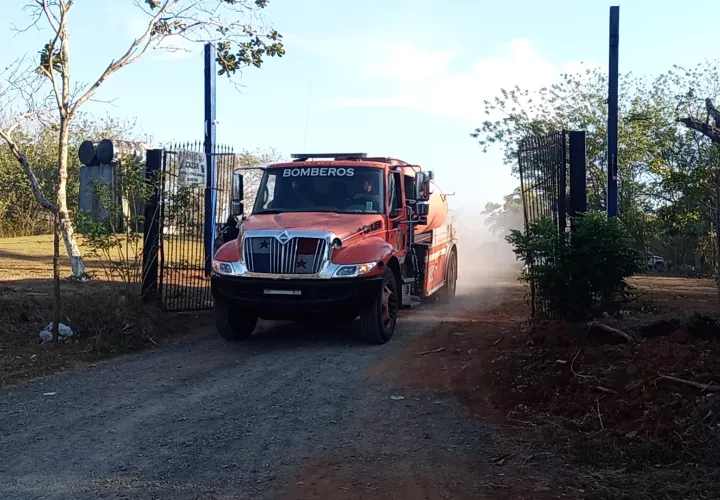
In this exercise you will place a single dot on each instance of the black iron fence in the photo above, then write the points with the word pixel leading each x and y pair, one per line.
pixel 188 206
pixel 552 170
pixel 543 177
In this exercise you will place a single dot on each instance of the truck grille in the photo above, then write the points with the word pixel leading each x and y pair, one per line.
pixel 297 256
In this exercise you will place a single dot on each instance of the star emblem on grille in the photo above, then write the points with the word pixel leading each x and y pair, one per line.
pixel 264 244
pixel 284 237
pixel 300 263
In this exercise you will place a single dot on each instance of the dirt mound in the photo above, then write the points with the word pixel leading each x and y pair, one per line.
pixel 656 395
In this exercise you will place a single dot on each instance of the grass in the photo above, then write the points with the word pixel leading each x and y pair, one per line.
pixel 107 316
pixel 30 257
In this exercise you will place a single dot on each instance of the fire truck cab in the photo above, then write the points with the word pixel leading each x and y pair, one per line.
pixel 336 236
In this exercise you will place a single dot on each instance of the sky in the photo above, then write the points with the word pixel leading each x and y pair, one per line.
pixel 398 78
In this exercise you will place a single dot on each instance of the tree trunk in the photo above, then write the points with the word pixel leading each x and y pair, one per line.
pixel 716 267
pixel 57 304
pixel 65 223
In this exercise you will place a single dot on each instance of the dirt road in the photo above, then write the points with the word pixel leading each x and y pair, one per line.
pixel 272 418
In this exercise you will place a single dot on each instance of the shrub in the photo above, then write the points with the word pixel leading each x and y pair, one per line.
pixel 115 237
pixel 575 274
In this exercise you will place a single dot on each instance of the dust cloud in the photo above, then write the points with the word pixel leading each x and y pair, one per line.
pixel 484 258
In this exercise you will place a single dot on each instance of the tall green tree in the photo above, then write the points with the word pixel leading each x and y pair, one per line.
pixel 667 178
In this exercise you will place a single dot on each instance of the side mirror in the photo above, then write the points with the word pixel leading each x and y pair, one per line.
pixel 422 208
pixel 238 190
pixel 422 186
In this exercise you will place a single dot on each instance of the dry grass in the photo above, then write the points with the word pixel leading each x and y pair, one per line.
pixel 30 257
pixel 107 317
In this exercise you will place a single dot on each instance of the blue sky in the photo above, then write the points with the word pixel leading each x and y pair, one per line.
pixel 400 78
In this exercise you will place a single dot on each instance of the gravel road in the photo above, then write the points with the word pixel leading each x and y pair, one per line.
pixel 212 420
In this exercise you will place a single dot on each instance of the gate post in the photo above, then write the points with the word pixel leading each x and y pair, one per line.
pixel 151 225
pixel 210 127
pixel 562 186
pixel 578 173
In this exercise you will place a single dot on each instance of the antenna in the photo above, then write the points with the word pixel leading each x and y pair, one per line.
pixel 307 113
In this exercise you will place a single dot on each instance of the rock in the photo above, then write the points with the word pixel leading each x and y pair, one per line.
pixel 63 331
pixel 631 370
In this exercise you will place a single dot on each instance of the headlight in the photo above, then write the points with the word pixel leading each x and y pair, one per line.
pixel 221 267
pixel 354 270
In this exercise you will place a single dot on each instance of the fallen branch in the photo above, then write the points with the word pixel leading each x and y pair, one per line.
pixel 597 401
pixel 439 349
pixel 711 387
pixel 604 389
pixel 612 331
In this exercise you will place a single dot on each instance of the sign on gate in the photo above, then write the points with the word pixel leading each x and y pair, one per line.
pixel 191 168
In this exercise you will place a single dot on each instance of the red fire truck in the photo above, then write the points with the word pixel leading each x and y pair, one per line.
pixel 335 236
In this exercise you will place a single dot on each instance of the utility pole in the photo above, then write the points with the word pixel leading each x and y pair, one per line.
pixel 612 128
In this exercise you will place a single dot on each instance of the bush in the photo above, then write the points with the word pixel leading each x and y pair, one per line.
pixel 574 275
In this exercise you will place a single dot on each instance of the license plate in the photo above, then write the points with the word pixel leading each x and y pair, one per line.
pixel 283 292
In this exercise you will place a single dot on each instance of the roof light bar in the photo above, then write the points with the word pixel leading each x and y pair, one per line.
pixel 306 156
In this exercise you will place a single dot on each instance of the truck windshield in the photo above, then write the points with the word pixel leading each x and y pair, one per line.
pixel 321 189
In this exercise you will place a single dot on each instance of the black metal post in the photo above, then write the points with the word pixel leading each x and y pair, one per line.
pixel 562 187
pixel 210 192
pixel 578 173
pixel 151 225
pixel 613 73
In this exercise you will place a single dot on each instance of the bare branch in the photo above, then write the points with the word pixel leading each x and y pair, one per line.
pixel 34 184
pixel 51 17
pixel 136 50
pixel 48 68
pixel 705 129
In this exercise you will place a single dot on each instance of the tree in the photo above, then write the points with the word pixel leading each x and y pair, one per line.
pixel 229 24
pixel 501 219
pixel 577 102
pixel 666 193
pixel 252 164
pixel 703 80
pixel 20 214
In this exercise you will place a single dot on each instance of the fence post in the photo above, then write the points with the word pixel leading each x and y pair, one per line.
pixel 151 226
pixel 578 174
pixel 210 196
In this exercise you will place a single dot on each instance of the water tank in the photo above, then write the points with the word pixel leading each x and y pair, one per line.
pixel 438 213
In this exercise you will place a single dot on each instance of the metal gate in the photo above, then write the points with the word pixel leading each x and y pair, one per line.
pixel 542 162
pixel 552 173
pixel 188 206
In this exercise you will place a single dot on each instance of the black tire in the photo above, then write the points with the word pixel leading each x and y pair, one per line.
pixel 447 293
pixel 233 324
pixel 377 322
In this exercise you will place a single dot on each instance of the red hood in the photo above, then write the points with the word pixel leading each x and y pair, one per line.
pixel 341 224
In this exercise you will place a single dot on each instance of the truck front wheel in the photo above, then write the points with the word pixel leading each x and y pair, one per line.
pixel 233 324
pixel 377 322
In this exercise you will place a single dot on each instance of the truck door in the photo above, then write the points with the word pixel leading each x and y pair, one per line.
pixel 397 232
